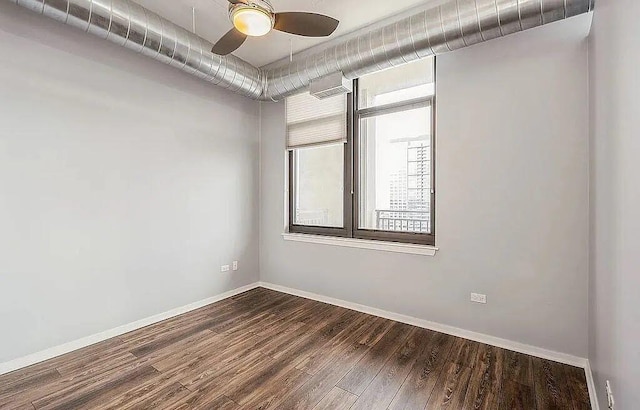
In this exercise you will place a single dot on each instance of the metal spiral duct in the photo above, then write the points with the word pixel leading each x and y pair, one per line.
pixel 456 24
pixel 128 24
pixel 453 25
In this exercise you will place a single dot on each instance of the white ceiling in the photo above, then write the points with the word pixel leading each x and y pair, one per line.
pixel 212 21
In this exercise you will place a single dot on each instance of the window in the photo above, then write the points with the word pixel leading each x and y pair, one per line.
pixel 318 141
pixel 362 165
pixel 319 186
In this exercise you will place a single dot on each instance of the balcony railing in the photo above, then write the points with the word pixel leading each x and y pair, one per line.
pixel 386 220
pixel 403 221
pixel 317 217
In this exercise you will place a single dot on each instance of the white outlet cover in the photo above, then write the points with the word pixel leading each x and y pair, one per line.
pixel 235 265
pixel 479 298
pixel 224 268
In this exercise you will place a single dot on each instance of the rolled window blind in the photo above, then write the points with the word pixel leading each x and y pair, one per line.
pixel 311 121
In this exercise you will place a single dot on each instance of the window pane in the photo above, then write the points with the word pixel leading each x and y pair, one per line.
pixel 319 185
pixel 395 171
pixel 413 80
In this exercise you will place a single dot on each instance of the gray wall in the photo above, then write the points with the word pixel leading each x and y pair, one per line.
pixel 125 184
pixel 512 200
pixel 614 348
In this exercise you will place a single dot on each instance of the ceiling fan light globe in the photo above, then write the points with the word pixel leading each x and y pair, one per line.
pixel 252 21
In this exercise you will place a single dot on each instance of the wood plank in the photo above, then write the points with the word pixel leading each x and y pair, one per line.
pixel 218 371
pixel 284 318
pixel 321 383
pixel 273 391
pixel 518 368
pixel 210 346
pixel 157 392
pixel 253 295
pixel 96 350
pixel 26 372
pixel 483 392
pixel 334 366
pixel 221 403
pixel 551 391
pixel 357 380
pixel 318 314
pixel 208 389
pixel 90 396
pixel 273 315
pixel 383 388
pixel 577 384
pixel 186 349
pixel 306 345
pixel 246 324
pixel 204 400
pixel 451 388
pixel 171 338
pixel 416 389
pixel 143 335
pixel 284 342
pixel 14 383
pixel 310 363
pixel 368 330
pixel 232 320
pixel 69 384
pixel 375 333
pixel 212 354
pixel 181 334
pixel 516 396
pixel 337 399
pixel 464 352
pixel 84 366
pixel 269 380
pixel 278 341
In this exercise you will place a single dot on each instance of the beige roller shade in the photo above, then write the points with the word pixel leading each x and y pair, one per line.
pixel 311 121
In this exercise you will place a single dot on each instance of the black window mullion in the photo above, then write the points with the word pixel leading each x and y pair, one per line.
pixel 349 184
pixel 355 158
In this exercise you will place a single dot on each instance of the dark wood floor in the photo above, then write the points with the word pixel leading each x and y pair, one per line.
pixel 263 349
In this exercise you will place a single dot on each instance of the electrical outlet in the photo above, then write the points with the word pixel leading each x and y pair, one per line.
pixel 224 268
pixel 478 298
pixel 610 400
pixel 235 265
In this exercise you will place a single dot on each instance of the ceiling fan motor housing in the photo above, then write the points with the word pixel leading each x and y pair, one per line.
pixel 262 6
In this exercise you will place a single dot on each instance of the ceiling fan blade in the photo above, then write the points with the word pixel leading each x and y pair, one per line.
pixel 236 2
pixel 229 43
pixel 306 24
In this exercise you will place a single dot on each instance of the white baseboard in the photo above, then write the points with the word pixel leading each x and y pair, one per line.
pixel 438 327
pixel 593 393
pixel 120 330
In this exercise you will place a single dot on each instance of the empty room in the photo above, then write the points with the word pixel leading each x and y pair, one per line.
pixel 319 204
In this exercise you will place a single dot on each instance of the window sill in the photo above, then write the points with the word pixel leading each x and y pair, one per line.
pixel 396 247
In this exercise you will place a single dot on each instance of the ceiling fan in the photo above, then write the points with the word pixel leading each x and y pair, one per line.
pixel 255 18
